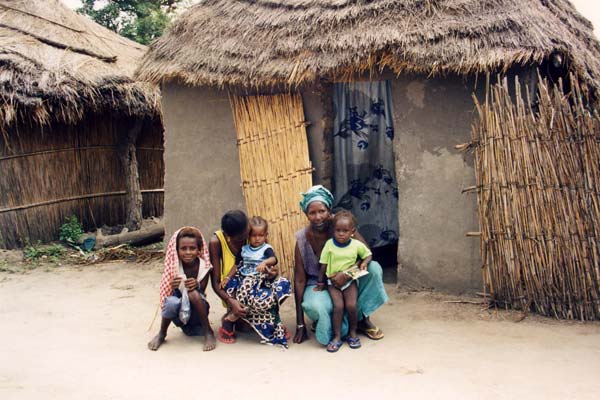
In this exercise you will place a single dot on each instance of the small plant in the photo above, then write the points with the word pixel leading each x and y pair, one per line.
pixel 33 253
pixel 4 267
pixel 71 230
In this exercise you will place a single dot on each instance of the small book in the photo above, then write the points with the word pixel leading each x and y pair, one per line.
pixel 355 272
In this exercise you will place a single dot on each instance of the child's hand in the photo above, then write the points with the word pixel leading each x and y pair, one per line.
pixel 176 281
pixel 340 279
pixel 190 284
pixel 262 267
pixel 363 266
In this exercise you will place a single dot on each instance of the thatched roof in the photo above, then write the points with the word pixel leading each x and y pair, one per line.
pixel 56 65
pixel 265 42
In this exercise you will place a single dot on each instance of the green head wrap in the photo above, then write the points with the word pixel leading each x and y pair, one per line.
pixel 316 193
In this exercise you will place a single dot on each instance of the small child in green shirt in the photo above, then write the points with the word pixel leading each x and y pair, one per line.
pixel 340 254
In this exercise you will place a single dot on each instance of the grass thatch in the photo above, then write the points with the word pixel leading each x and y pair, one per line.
pixel 57 66
pixel 538 176
pixel 268 42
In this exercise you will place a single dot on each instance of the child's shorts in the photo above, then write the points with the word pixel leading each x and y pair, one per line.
pixel 170 310
pixel 346 286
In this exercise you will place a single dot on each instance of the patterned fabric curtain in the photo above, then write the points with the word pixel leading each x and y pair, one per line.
pixel 364 173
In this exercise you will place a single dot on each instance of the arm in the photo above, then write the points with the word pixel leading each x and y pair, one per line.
pixel 365 262
pixel 204 283
pixel 365 255
pixel 299 286
pixel 321 284
pixel 268 267
pixel 230 275
pixel 215 278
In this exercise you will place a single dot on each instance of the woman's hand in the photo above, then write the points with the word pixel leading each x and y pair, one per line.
pixel 175 282
pixel 272 272
pixel 301 335
pixel 319 288
pixel 340 279
pixel 237 308
pixel 190 284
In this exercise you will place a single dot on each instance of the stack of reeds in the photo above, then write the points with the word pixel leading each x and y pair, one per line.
pixel 275 166
pixel 538 176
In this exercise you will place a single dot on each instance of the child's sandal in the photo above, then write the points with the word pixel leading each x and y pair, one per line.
pixel 225 336
pixel 354 342
pixel 334 346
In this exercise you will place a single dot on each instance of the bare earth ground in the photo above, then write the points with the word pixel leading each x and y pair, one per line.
pixel 81 333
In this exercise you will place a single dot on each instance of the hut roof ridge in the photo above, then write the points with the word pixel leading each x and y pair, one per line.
pixel 272 42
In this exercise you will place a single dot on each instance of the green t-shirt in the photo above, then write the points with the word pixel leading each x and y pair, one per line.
pixel 342 258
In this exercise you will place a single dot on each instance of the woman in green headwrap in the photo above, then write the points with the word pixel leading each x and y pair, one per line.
pixel 316 204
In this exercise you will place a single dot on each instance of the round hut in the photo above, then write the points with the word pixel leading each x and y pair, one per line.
pixel 369 98
pixel 78 135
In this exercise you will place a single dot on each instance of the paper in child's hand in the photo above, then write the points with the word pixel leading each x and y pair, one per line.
pixel 355 272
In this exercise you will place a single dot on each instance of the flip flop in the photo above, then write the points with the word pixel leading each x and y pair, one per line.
pixel 334 346
pixel 225 336
pixel 353 342
pixel 373 333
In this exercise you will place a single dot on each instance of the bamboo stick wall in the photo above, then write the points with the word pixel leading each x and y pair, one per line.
pixel 49 173
pixel 538 176
pixel 275 166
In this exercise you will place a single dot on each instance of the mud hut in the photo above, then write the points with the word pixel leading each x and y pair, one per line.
pixel 78 134
pixel 380 90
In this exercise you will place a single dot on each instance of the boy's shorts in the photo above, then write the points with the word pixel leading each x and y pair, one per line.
pixel 346 286
pixel 170 310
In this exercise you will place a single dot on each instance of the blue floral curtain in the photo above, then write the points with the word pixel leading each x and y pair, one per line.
pixel 364 174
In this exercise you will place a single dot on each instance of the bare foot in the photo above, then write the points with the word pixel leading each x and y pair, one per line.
pixel 155 343
pixel 209 341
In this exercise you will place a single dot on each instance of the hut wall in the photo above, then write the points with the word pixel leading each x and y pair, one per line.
pixel 318 110
pixel 151 168
pixel 52 172
pixel 202 168
pixel 431 116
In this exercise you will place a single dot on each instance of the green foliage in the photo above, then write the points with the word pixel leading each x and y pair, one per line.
pixel 139 20
pixel 71 230
pixel 33 253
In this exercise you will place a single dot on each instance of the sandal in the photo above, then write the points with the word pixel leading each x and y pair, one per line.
pixel 353 342
pixel 373 333
pixel 334 346
pixel 225 336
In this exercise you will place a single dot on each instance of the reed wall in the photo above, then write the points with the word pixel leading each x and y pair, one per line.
pixel 538 174
pixel 274 166
pixel 49 173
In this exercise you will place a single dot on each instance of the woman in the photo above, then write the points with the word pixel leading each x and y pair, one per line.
pixel 263 314
pixel 316 204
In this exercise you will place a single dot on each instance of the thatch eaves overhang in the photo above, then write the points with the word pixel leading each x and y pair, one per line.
pixel 257 43
pixel 56 65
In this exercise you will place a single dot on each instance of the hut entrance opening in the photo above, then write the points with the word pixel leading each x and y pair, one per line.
pixel 274 165
pixel 364 177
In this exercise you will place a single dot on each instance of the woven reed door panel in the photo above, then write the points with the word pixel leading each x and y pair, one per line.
pixel 275 166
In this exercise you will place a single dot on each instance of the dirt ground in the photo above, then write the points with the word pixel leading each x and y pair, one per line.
pixel 81 333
